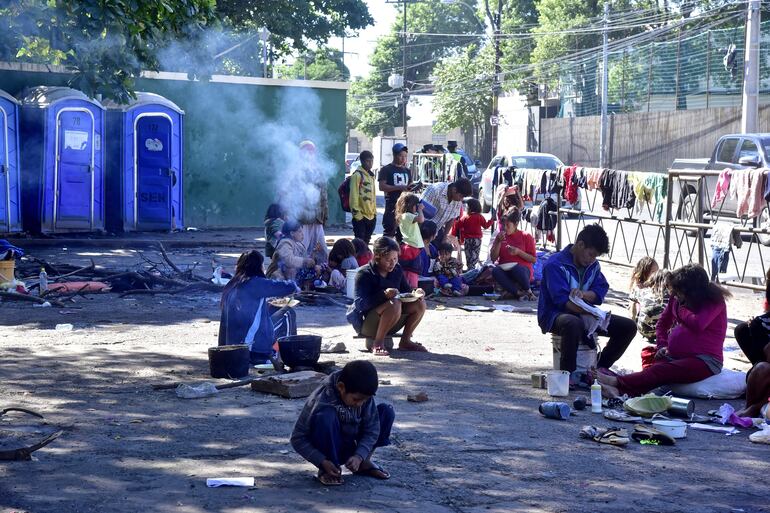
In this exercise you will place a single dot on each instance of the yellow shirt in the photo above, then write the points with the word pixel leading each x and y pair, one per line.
pixel 363 204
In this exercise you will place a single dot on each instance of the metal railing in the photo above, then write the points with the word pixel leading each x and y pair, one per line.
pixel 676 233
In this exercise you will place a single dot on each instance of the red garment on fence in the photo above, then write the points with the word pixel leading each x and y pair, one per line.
pixel 570 188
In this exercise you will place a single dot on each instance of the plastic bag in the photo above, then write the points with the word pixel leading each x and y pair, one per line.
pixel 728 384
pixel 204 389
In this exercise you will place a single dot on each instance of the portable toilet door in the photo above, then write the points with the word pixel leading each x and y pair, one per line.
pixel 63 160
pixel 146 190
pixel 10 187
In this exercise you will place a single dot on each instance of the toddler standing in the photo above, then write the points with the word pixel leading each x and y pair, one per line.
pixel 470 228
pixel 409 217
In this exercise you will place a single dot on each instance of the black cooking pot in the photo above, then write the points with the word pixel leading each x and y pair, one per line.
pixel 300 350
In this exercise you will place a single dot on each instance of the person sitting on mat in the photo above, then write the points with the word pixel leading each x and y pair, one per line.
pixel 689 336
pixel 341 425
pixel 574 271
pixel 377 312
pixel 246 315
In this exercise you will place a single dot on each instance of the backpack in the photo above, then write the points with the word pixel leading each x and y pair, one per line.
pixel 344 192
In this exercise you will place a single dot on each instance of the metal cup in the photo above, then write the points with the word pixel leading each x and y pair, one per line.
pixel 554 410
pixel 681 407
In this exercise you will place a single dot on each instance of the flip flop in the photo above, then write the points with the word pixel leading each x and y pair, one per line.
pixel 380 350
pixel 412 346
pixel 376 471
pixel 642 432
pixel 609 436
pixel 621 416
pixel 327 480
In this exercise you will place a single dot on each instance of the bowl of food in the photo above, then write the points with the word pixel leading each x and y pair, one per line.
pixel 410 297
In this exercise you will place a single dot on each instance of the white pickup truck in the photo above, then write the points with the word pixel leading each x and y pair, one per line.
pixel 741 152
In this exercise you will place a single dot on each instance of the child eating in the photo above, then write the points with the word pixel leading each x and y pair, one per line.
pixel 290 260
pixel 341 424
pixel 448 270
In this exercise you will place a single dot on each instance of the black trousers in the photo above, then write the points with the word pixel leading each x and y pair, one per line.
pixel 569 327
pixel 389 220
pixel 364 229
pixel 752 337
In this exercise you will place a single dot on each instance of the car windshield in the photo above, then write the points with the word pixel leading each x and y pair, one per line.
pixel 535 162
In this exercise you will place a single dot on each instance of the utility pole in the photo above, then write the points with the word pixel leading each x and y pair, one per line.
pixel 494 120
pixel 605 74
pixel 404 98
pixel 749 111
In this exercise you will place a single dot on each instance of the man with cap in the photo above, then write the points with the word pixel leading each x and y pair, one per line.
pixel 393 180
pixel 363 203
pixel 458 168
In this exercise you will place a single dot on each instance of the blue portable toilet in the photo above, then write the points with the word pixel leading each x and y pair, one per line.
pixel 10 187
pixel 62 160
pixel 144 164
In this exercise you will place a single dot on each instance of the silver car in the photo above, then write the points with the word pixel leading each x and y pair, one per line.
pixel 525 160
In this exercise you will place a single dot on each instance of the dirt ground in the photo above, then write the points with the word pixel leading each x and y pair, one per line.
pixel 478 444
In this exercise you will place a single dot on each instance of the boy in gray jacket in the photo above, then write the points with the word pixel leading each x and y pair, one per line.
pixel 341 424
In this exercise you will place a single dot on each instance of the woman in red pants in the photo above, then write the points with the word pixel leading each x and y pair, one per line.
pixel 690 335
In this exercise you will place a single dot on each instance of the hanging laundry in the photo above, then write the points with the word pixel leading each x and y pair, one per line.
pixel 721 238
pixel 750 189
pixel 623 195
pixel 658 184
pixel 580 180
pixel 594 176
pixel 606 186
pixel 569 184
pixel 722 189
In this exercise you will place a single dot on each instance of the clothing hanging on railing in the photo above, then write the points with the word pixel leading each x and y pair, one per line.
pixel 593 177
pixel 750 189
pixel 722 189
pixel 642 194
pixel 617 190
pixel 569 184
pixel 658 183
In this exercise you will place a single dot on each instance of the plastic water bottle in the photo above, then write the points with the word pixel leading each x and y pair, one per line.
pixel 43 281
pixel 596 397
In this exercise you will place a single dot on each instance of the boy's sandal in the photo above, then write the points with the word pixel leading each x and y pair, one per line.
pixel 642 432
pixel 412 346
pixel 621 416
pixel 609 436
pixel 329 480
pixel 376 471
pixel 380 350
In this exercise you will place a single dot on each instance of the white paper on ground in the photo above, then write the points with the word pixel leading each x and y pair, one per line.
pixel 214 482
pixel 477 308
pixel 513 308
pixel 728 430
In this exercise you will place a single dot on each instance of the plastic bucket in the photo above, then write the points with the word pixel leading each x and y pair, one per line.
pixel 7 268
pixel 558 383
pixel 428 210
pixel 350 284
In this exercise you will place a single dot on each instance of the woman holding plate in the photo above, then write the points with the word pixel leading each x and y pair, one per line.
pixel 514 253
pixel 384 301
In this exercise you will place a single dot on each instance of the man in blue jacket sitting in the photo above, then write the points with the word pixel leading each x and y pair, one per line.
pixel 574 271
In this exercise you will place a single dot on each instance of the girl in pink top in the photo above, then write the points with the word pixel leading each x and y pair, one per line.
pixel 690 336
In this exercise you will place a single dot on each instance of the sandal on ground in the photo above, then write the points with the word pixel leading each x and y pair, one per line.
pixel 380 350
pixel 412 346
pixel 621 416
pixel 609 436
pixel 376 471
pixel 329 480
pixel 658 437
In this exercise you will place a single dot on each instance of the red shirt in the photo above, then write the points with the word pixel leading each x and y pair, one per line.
pixel 470 225
pixel 522 240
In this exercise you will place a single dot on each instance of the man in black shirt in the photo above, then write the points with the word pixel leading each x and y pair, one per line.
pixel 393 180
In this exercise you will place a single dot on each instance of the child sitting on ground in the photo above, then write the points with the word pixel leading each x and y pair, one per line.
pixel 469 228
pixel 448 270
pixel 409 217
pixel 364 255
pixel 341 425
pixel 274 219
pixel 290 260
pixel 640 290
pixel 342 257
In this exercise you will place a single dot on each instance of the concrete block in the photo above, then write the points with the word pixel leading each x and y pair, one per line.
pixel 291 386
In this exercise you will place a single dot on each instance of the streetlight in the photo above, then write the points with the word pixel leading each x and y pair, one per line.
pixel 264 34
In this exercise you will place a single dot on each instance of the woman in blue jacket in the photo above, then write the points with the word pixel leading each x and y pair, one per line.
pixel 246 315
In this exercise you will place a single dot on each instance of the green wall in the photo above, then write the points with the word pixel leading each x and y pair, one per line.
pixel 228 173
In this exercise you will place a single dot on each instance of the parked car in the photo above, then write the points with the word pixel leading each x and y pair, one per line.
pixel 525 160
pixel 741 152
